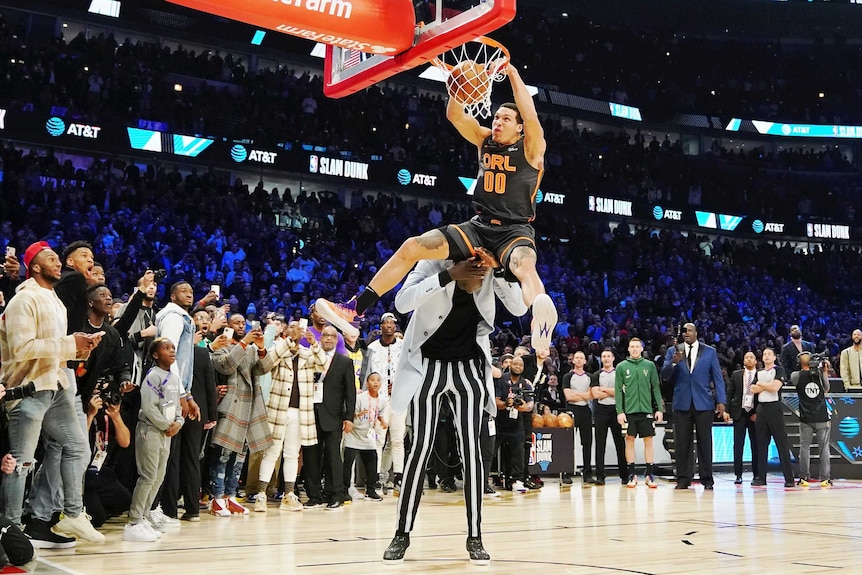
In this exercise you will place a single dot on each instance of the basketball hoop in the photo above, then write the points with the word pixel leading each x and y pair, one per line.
pixel 471 70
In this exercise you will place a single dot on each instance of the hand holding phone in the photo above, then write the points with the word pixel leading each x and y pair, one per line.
pixel 216 289
pixel 303 324
pixel 228 333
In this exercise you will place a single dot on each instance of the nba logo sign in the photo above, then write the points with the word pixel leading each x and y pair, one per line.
pixel 313 163
pixel 542 450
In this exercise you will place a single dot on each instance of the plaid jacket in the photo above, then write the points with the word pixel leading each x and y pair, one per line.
pixel 33 341
pixel 242 414
pixel 279 359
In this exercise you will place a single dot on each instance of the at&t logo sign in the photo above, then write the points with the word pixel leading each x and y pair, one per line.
pixel 660 213
pixel 57 127
pixel 405 178
pixel 239 154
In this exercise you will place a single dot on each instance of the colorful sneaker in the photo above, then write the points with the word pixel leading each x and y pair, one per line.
pixel 260 503
pixel 519 487
pixel 632 481
pixel 826 483
pixel 235 508
pixel 218 507
pixel 803 482
pixel 544 322
pixel 650 482
pixel 341 315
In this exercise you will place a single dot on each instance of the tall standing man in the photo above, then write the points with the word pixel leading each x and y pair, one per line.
pixel 698 393
pixel 742 405
pixel 770 419
pixel 790 351
pixel 603 388
pixel 334 406
pixel 448 355
pixel 34 347
pixel 851 362
pixel 512 161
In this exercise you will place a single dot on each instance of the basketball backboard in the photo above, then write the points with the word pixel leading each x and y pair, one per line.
pixel 348 71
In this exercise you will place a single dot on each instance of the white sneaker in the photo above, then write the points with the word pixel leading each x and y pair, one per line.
pixel 157 525
pixel 290 502
pixel 138 533
pixel 79 527
pixel 544 322
pixel 354 493
pixel 146 523
pixel 162 518
pixel 260 502
pixel 519 487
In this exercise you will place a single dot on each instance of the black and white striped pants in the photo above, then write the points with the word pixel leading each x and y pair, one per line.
pixel 462 384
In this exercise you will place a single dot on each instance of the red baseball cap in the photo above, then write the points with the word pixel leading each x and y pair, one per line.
pixel 31 252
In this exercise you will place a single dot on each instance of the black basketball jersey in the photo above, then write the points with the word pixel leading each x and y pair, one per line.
pixel 507 184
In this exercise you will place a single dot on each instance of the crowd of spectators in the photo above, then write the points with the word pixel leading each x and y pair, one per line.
pixel 100 78
pixel 610 284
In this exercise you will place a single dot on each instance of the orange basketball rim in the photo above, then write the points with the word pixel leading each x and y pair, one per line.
pixel 383 27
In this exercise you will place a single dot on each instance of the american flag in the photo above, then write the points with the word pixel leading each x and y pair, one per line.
pixel 353 58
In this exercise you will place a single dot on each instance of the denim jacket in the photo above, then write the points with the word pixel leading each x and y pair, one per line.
pixel 174 323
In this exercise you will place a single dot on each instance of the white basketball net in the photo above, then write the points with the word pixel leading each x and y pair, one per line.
pixel 476 99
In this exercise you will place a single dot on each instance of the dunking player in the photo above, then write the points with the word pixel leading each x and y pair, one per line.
pixel 511 162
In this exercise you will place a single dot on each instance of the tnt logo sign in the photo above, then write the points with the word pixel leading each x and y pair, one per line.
pixel 542 450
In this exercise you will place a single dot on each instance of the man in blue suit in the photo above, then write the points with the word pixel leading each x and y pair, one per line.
pixel 698 393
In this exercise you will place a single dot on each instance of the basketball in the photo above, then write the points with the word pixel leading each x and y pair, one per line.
pixel 551 420
pixel 565 420
pixel 538 420
pixel 467 82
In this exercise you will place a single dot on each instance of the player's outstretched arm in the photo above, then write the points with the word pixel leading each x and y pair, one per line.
pixel 467 125
pixel 534 135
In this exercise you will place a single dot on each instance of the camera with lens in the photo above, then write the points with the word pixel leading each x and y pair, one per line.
pixel 19 392
pixel 816 362
pixel 160 275
pixel 108 392
pixel 523 396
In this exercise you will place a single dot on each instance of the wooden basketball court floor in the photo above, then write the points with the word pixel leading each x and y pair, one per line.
pixel 578 530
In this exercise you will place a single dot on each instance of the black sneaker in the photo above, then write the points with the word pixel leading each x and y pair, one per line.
pixel 395 552
pixel 313 504
pixel 758 483
pixel 41 536
pixel 531 484
pixel 600 480
pixel 566 479
pixel 589 479
pixel 738 480
pixel 336 505
pixel 373 495
pixel 448 486
pixel 478 555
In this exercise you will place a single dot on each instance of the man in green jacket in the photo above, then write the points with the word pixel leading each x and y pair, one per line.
pixel 639 405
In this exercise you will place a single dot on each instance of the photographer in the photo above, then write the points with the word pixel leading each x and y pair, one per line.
pixel 812 385
pixel 514 395
pixel 104 495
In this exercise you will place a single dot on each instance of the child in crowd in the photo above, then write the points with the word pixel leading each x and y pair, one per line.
pixel 158 421
pixel 362 440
